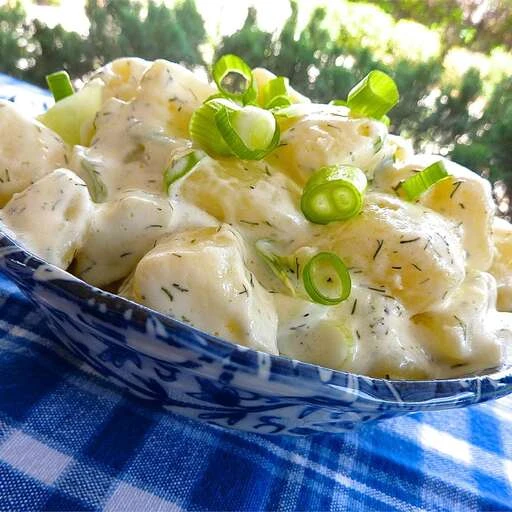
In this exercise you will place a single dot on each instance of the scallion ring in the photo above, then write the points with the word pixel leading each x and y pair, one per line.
pixel 333 193
pixel 279 102
pixel 274 94
pixel 416 185
pixel 181 166
pixel 234 79
pixel 374 96
pixel 203 129
pixel 324 272
pixel 276 263
pixel 250 132
pixel 60 85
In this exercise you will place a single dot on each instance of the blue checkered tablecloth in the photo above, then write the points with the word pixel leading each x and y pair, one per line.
pixel 71 441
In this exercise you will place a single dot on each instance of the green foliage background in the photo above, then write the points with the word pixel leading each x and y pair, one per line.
pixel 322 58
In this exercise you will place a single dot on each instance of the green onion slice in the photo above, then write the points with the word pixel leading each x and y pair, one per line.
pixel 333 193
pixel 374 96
pixel 60 85
pixel 203 129
pixel 274 94
pixel 338 103
pixel 279 102
pixel 182 166
pixel 415 185
pixel 234 79
pixel 326 279
pixel 97 188
pixel 276 263
pixel 251 132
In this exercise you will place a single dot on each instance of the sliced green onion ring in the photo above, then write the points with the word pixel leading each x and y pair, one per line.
pixel 229 65
pixel 279 102
pixel 60 85
pixel 182 166
pixel 326 270
pixel 203 129
pixel 333 193
pixel 374 96
pixel 276 263
pixel 274 93
pixel 95 184
pixel 416 185
pixel 251 132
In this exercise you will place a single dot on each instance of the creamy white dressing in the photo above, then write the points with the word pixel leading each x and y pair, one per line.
pixel 425 276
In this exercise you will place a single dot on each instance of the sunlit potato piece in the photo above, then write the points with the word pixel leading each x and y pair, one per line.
pixel 259 200
pixel 262 76
pixel 328 138
pixel 28 151
pixel 199 277
pixel 368 334
pixel 121 232
pixel 403 249
pixel 51 217
pixel 464 197
pixel 502 264
pixel 170 93
pixel 121 77
pixel 463 334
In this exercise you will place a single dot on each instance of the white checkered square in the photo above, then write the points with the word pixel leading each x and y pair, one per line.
pixel 127 497
pixel 33 458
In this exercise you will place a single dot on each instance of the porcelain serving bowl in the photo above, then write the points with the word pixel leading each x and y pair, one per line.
pixel 197 375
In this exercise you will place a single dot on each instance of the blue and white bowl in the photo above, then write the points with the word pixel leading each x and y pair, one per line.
pixel 203 377
pixel 197 375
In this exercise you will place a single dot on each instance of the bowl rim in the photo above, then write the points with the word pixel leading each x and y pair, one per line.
pixel 219 348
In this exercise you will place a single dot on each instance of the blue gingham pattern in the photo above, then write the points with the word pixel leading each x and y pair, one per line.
pixel 71 441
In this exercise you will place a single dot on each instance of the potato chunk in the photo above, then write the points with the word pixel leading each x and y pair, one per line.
pixel 368 334
pixel 464 197
pixel 401 249
pixel 121 77
pixel 51 217
pixel 326 138
pixel 260 201
pixel 135 141
pixel 171 93
pixel 28 151
pixel 121 232
pixel 199 277
pixel 463 334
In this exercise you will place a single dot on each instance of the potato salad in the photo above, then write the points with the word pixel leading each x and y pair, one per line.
pixel 241 208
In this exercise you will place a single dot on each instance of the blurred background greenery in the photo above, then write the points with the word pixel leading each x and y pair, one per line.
pixel 452 59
